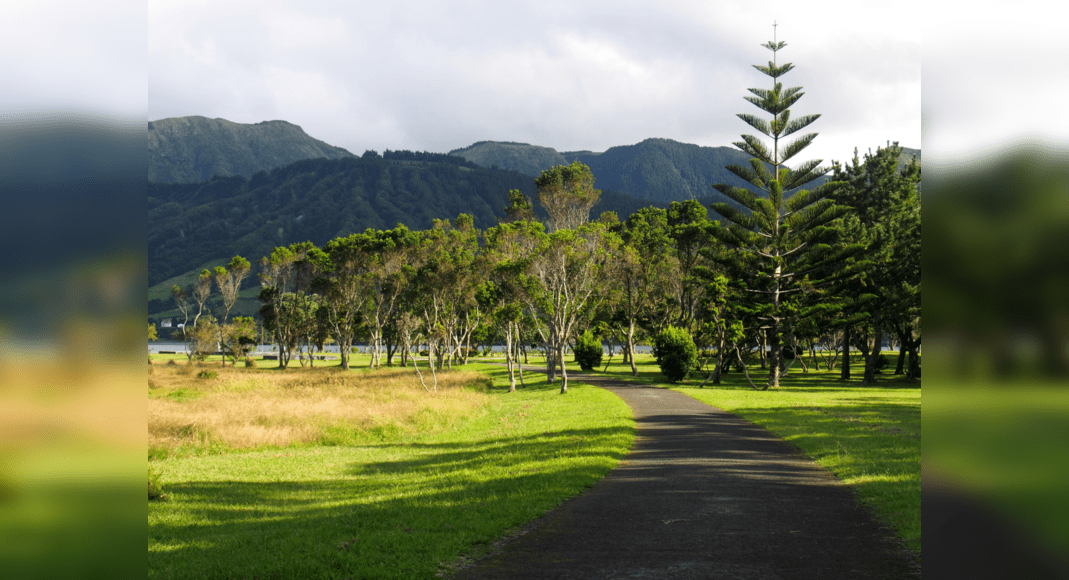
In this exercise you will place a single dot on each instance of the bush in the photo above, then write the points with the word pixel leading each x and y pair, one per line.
pixel 155 485
pixel 206 375
pixel 588 351
pixel 882 362
pixel 676 354
pixel 250 363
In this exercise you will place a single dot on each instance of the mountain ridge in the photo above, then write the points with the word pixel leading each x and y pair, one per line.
pixel 195 149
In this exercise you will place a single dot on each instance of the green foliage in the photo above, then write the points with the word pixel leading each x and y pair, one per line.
pixel 784 244
pixel 155 486
pixel 676 354
pixel 567 192
pixel 238 336
pixel 588 351
pixel 207 374
pixel 882 362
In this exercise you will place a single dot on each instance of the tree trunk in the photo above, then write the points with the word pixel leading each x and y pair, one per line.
pixel 519 345
pixel 776 356
pixel 551 367
pixel 719 361
pixel 508 357
pixel 844 371
pixel 872 355
pixel 563 372
pixel 430 362
pixel 903 347
pixel 914 371
pixel 631 348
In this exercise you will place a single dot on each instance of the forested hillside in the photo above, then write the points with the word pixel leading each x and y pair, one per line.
pixel 195 149
pixel 320 199
pixel 528 159
pixel 655 169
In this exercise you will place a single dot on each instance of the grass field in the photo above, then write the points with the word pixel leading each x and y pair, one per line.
pixel 317 473
pixel 399 491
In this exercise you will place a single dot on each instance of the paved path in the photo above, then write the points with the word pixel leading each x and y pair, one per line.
pixel 703 494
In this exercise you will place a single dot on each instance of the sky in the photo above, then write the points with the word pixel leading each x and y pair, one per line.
pixel 570 75
pixel 437 76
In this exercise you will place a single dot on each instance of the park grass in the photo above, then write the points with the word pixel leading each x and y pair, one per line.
pixel 404 502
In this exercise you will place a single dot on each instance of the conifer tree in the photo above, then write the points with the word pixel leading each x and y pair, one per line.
pixel 783 239
pixel 886 220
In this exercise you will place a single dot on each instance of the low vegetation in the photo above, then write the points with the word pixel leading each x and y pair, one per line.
pixel 229 409
pixel 391 482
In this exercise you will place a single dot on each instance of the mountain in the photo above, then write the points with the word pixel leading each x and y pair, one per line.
pixel 907 155
pixel 320 199
pixel 665 170
pixel 528 159
pixel 195 149
pixel 655 169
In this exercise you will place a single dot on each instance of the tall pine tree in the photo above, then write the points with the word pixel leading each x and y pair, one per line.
pixel 783 243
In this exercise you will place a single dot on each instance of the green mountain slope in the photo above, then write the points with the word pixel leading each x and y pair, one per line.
pixel 655 169
pixel 320 199
pixel 528 159
pixel 195 149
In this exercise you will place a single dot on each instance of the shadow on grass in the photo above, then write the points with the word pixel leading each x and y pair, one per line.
pixel 385 519
pixel 499 453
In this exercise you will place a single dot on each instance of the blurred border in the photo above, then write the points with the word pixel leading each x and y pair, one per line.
pixel 72 314
pixel 995 452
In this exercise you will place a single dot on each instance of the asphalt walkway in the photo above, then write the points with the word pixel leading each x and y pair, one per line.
pixel 702 494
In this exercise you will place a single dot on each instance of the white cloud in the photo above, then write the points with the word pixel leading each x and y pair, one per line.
pixel 436 76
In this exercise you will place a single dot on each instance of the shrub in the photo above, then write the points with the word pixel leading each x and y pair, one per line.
pixel 882 362
pixel 155 485
pixel 206 375
pixel 676 354
pixel 250 363
pixel 588 351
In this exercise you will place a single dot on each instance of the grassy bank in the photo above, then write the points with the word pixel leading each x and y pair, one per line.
pixel 382 494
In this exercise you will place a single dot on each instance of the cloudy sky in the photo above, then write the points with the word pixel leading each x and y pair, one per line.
pixel 435 76
pixel 570 75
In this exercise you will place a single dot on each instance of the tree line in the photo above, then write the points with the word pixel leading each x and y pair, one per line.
pixel 789 272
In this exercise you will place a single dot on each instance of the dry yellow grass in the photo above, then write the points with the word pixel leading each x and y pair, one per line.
pixel 247 408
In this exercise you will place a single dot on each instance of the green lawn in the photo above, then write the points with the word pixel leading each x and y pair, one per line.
pixel 396 509
pixel 403 507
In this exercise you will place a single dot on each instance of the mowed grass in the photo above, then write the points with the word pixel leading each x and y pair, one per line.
pixel 386 480
pixel 869 437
